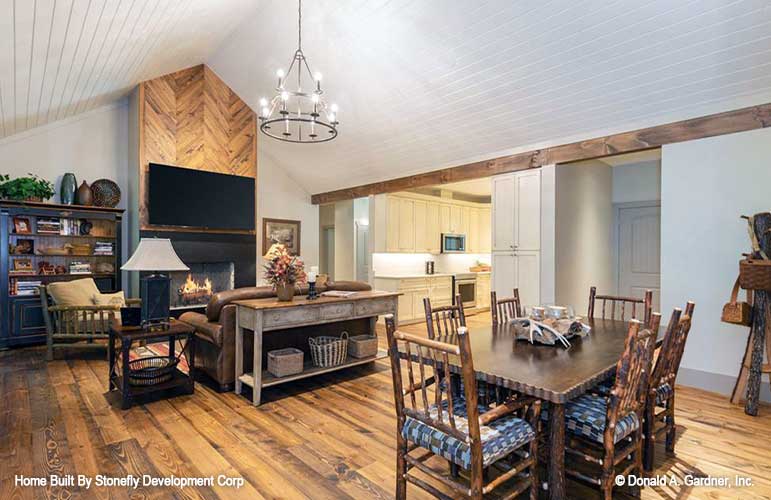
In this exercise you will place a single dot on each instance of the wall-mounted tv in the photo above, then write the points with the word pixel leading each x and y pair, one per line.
pixel 194 198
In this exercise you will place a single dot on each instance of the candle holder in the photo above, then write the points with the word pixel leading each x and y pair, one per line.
pixel 312 294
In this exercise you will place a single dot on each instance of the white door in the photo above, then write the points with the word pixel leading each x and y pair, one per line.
pixel 406 225
pixel 433 226
pixel 527 219
pixel 503 213
pixel 639 252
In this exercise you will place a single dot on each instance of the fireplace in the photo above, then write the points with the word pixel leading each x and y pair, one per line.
pixel 194 288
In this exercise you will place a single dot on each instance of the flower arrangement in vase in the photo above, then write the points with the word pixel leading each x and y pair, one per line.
pixel 283 271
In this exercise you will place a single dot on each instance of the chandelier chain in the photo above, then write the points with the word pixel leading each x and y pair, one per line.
pixel 300 25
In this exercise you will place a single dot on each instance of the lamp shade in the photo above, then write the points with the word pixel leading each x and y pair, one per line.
pixel 155 254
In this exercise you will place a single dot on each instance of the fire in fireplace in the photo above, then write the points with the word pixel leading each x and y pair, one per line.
pixel 195 288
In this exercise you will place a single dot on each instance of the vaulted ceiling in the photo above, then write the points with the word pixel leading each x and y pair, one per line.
pixel 421 84
pixel 59 58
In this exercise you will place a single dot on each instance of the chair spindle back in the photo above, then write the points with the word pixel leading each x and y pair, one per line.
pixel 505 309
pixel 672 347
pixel 633 371
pixel 424 357
pixel 617 309
pixel 444 320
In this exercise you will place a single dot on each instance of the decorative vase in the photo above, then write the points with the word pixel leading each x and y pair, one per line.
pixel 85 195
pixel 285 292
pixel 67 191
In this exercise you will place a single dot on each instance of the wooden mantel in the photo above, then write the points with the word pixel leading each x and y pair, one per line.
pixel 729 122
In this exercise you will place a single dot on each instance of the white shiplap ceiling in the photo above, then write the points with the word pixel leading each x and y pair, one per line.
pixel 426 84
pixel 59 58
pixel 422 84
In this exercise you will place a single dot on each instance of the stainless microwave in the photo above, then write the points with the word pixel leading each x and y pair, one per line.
pixel 453 243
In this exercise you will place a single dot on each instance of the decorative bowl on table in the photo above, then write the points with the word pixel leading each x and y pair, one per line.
pixel 550 325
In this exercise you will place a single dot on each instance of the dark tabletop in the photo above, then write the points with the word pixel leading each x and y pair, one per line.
pixel 552 373
pixel 137 333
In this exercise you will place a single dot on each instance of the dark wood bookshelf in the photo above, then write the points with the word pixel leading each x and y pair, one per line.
pixel 21 316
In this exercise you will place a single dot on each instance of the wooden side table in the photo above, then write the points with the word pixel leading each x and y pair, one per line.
pixel 127 335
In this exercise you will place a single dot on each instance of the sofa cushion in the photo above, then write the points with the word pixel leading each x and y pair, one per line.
pixel 110 299
pixel 73 293
pixel 208 330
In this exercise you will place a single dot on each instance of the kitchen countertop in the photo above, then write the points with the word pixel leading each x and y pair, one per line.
pixel 423 275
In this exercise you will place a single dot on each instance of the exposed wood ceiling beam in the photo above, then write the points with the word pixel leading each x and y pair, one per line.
pixel 729 122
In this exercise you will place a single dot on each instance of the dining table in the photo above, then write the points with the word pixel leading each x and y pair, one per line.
pixel 551 373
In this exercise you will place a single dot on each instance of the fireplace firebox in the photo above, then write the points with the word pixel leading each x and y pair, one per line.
pixel 194 288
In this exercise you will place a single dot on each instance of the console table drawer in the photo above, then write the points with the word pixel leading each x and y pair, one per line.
pixel 289 316
pixel 372 308
pixel 334 311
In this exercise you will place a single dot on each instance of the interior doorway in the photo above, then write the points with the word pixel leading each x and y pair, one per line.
pixel 638 249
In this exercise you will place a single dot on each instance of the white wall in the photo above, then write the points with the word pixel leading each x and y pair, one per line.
pixel 92 145
pixel 281 197
pixel 637 182
pixel 706 185
pixel 583 232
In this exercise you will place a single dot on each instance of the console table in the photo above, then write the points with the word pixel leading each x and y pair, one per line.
pixel 269 315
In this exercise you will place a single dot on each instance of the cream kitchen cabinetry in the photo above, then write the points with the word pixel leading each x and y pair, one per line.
pixel 414 289
pixel 414 223
pixel 516 235
pixel 483 291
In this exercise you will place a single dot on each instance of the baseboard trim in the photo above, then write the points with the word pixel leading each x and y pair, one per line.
pixel 715 382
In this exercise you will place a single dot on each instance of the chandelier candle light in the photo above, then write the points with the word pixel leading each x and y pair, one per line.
pixel 300 115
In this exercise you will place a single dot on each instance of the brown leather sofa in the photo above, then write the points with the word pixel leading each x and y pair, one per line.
pixel 216 329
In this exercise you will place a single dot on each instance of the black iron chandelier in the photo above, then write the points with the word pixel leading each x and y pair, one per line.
pixel 300 115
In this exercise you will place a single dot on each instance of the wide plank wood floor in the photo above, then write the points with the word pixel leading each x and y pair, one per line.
pixel 330 437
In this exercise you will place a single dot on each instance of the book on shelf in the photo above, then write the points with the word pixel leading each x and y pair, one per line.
pixel 48 225
pixel 70 227
pixel 104 248
pixel 79 267
pixel 24 287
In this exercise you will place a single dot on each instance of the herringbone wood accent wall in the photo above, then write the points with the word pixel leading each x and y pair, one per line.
pixel 192 119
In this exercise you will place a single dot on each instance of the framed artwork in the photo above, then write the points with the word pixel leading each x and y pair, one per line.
pixel 24 246
pixel 21 225
pixel 286 232
pixel 23 265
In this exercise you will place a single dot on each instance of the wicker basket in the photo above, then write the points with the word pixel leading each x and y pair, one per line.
pixel 151 370
pixel 362 346
pixel 329 351
pixel 284 362
pixel 755 274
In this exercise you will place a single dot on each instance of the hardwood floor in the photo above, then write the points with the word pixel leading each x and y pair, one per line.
pixel 330 437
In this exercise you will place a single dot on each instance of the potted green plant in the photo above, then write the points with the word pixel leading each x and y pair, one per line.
pixel 283 271
pixel 30 188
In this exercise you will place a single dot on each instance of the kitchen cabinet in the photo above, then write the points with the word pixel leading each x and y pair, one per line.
pixel 516 211
pixel 414 290
pixel 483 290
pixel 520 269
pixel 414 223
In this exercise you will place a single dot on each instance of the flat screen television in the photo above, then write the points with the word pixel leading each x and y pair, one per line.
pixel 194 198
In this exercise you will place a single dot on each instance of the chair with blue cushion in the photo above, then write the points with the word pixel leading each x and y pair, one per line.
pixel 660 406
pixel 442 423
pixel 606 431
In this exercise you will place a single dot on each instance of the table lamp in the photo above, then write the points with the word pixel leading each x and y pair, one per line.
pixel 155 255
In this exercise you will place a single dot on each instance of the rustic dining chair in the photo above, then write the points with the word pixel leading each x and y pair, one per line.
pixel 661 393
pixel 626 303
pixel 444 424
pixel 607 431
pixel 444 320
pixel 505 309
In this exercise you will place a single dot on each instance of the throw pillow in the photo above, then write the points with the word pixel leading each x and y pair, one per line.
pixel 73 293
pixel 110 299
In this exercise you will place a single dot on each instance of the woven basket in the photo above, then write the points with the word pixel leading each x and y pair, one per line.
pixel 329 351
pixel 283 362
pixel 362 346
pixel 151 370
pixel 755 274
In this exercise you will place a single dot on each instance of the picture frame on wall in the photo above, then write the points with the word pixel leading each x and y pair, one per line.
pixel 283 231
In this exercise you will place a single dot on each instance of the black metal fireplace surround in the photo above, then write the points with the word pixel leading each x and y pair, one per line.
pixel 216 251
